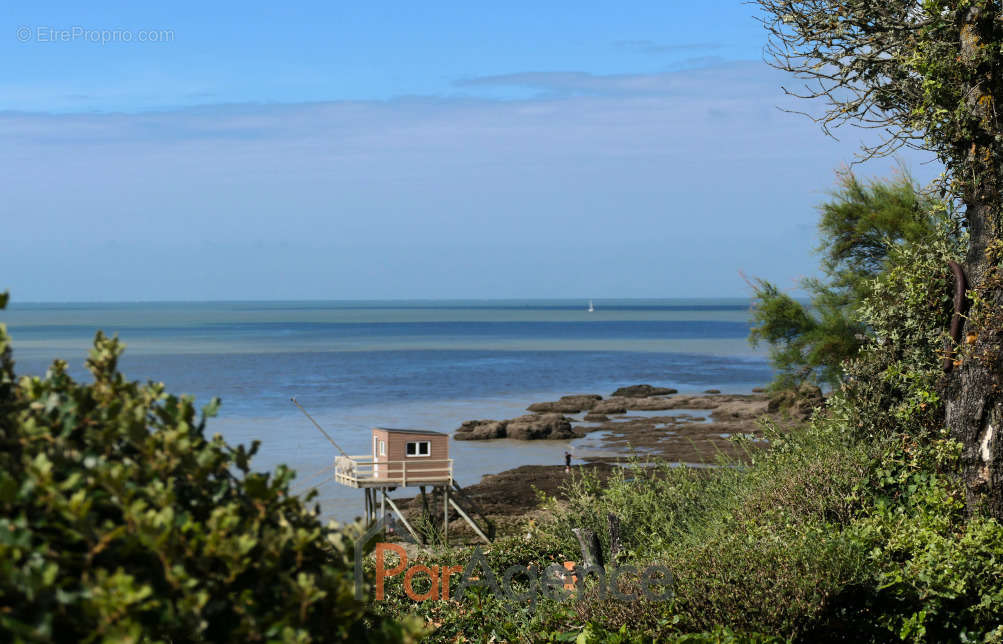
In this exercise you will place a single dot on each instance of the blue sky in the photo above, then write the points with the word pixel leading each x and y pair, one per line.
pixel 420 150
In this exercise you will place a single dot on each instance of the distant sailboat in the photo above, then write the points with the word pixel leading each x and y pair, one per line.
pixel 592 308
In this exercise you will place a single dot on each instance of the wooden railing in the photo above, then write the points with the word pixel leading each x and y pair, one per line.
pixel 352 470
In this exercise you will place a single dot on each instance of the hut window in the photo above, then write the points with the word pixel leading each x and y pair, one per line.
pixel 383 448
pixel 419 448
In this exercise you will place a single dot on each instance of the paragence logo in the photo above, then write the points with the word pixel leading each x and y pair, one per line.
pixel 557 582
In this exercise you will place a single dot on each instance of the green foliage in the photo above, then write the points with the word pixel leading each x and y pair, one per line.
pixel 850 528
pixel 482 616
pixel 862 224
pixel 806 344
pixel 120 520
pixel 924 74
pixel 756 550
pixel 935 575
pixel 865 220
pixel 915 71
pixel 894 384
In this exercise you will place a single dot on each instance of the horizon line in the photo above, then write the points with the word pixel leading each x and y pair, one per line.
pixel 12 302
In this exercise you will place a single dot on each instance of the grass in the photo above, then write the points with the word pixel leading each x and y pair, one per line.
pixel 731 535
pixel 826 537
pixel 756 549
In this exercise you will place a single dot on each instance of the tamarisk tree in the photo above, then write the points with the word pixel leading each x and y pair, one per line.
pixel 928 75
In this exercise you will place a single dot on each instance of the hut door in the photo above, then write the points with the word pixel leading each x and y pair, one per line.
pixel 376 454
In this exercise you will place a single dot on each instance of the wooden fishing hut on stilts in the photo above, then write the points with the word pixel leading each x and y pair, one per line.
pixel 407 458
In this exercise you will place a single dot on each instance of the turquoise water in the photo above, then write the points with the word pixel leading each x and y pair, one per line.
pixel 430 364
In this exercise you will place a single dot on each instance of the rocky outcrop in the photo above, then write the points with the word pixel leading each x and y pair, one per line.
pixel 799 403
pixel 642 391
pixel 739 410
pixel 528 427
pixel 539 426
pixel 610 406
pixel 548 425
pixel 479 430
pixel 712 391
pixel 621 405
pixel 567 404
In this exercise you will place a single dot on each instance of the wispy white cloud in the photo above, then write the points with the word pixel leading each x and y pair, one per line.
pixel 705 77
pixel 597 181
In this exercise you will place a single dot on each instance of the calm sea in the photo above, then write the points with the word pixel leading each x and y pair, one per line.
pixel 428 364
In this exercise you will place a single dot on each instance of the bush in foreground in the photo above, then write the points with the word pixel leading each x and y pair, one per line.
pixel 121 521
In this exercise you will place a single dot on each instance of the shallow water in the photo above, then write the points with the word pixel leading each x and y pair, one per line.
pixel 356 365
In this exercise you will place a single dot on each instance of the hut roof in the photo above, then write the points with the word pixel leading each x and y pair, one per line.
pixel 410 431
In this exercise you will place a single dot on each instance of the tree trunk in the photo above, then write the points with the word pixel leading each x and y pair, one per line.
pixel 974 400
pixel 591 548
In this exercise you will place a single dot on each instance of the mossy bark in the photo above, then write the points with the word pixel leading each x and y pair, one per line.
pixel 974 397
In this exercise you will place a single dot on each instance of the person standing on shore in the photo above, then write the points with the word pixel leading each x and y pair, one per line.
pixel 567 461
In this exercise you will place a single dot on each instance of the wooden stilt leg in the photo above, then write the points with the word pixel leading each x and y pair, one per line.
pixel 427 514
pixel 400 515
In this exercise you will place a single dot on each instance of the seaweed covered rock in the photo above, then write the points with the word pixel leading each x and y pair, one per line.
pixel 479 430
pixel 528 427
pixel 800 402
pixel 539 426
pixel 567 404
pixel 643 391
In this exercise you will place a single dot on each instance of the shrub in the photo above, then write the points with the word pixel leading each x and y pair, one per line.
pixel 933 572
pixel 120 520
pixel 894 383
pixel 936 575
pixel 758 549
